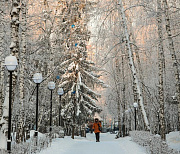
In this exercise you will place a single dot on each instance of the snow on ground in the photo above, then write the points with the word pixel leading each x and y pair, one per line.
pixel 3 141
pixel 107 145
pixel 173 140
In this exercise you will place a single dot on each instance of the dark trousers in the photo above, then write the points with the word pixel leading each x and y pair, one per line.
pixel 97 136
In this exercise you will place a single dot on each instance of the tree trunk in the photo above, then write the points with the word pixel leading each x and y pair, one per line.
pixel 124 98
pixel 73 116
pixel 118 98
pixel 173 55
pixel 14 48
pixel 4 119
pixel 22 60
pixel 132 67
pixel 15 27
pixel 1 60
pixel 161 72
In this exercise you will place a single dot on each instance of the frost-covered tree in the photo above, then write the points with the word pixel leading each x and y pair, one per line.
pixel 14 50
pixel 142 27
pixel 136 83
pixel 161 71
pixel 2 33
pixel 78 74
pixel 173 54
pixel 76 80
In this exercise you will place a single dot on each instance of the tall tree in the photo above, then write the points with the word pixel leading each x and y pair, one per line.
pixel 79 71
pixel 1 56
pixel 14 50
pixel 173 54
pixel 136 85
pixel 22 68
pixel 161 70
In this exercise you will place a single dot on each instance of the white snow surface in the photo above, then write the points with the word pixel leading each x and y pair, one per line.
pixel 107 145
pixel 3 141
pixel 173 140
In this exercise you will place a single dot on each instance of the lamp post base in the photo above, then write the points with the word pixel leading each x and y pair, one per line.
pixel 36 133
pixel 9 145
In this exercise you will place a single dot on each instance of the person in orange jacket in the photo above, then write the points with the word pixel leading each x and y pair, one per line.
pixel 97 129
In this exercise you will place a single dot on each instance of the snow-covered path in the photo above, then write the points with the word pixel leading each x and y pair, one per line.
pixel 107 145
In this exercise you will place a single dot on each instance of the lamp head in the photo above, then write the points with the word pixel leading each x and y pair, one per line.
pixel 135 105
pixel 37 78
pixel 51 85
pixel 11 63
pixel 60 91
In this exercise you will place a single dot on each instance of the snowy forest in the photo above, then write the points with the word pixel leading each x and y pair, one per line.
pixel 116 60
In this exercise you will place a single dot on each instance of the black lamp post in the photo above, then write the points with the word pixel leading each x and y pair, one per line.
pixel 135 108
pixel 51 86
pixel 114 124
pixel 11 64
pixel 60 93
pixel 37 79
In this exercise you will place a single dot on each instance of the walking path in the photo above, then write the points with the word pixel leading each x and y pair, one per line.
pixel 107 145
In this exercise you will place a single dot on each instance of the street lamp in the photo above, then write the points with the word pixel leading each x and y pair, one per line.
pixel 135 108
pixel 114 124
pixel 37 78
pixel 51 86
pixel 60 93
pixel 11 64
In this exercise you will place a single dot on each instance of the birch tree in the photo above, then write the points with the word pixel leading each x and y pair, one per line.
pixel 161 70
pixel 22 63
pixel 173 54
pixel 2 57
pixel 131 63
pixel 14 48
pixel 3 106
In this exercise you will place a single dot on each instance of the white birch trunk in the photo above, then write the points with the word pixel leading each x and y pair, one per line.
pixel 173 55
pixel 14 50
pixel 22 64
pixel 4 121
pixel 131 63
pixel 1 60
pixel 139 69
pixel 15 27
pixel 161 72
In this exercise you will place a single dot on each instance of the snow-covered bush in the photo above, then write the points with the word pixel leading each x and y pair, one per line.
pixel 153 143
pixel 57 131
pixel 33 145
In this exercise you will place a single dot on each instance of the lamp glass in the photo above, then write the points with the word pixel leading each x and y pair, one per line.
pixel 51 85
pixel 11 63
pixel 37 77
pixel 60 91
pixel 135 105
pixel 127 111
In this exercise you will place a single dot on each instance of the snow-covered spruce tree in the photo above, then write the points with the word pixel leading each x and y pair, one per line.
pixel 81 97
pixel 78 70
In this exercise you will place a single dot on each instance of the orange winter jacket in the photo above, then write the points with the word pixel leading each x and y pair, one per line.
pixel 96 127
